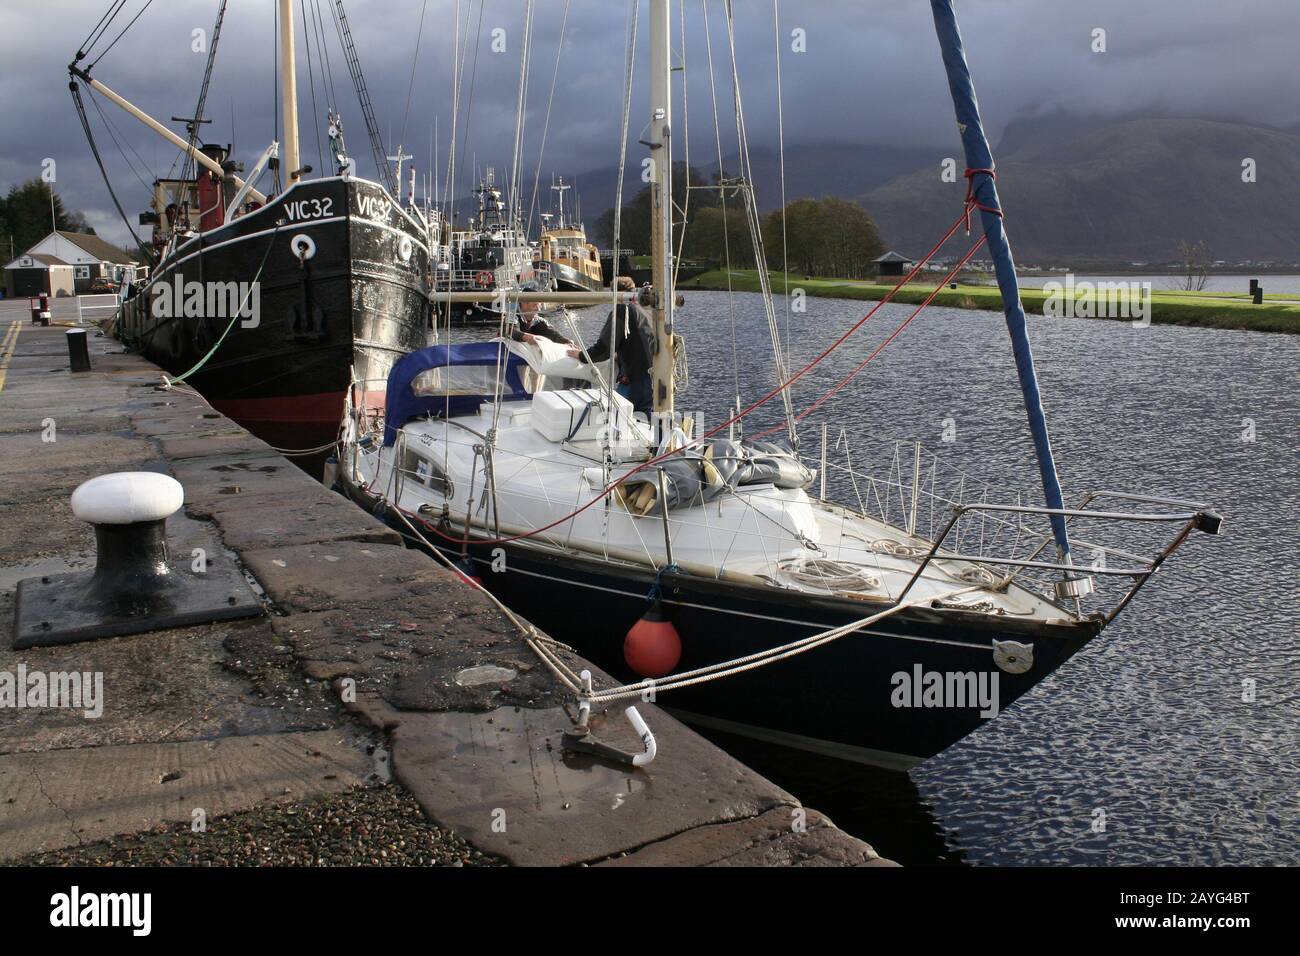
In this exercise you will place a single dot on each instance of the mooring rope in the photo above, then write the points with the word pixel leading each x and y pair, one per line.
pixel 541 644
pixel 739 665
pixel 169 382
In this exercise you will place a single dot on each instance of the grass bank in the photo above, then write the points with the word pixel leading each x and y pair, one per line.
pixel 1218 310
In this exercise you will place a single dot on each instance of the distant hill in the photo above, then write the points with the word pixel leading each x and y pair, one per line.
pixel 814 171
pixel 810 173
pixel 1121 191
pixel 1075 189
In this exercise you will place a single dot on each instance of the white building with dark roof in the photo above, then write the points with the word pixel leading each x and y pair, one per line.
pixel 66 263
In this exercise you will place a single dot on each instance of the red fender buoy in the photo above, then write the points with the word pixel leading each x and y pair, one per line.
pixel 653 647
pixel 464 569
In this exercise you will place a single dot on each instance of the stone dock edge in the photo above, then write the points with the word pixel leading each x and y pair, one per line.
pixel 346 686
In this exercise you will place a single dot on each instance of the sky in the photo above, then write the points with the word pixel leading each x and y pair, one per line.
pixel 867 72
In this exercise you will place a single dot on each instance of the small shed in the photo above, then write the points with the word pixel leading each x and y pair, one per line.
pixel 35 272
pixel 893 264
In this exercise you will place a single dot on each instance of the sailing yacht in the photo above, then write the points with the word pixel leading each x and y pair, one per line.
pixel 717 574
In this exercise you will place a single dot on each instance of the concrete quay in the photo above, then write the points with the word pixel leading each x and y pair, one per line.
pixel 372 671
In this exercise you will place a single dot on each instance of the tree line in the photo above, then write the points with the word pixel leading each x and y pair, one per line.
pixel 821 237
pixel 25 217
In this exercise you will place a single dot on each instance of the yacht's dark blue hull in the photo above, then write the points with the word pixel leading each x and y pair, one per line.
pixel 841 698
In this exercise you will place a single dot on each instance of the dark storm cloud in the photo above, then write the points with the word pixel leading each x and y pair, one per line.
pixel 871 73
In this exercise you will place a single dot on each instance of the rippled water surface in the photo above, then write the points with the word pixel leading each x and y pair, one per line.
pixel 1141 749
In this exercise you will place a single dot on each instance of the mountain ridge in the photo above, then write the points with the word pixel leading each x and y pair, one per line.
pixel 1124 191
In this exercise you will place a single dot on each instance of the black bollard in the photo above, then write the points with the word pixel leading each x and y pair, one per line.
pixel 1254 284
pixel 1258 298
pixel 78 352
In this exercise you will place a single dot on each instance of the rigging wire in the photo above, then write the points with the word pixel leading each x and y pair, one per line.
pixel 189 165
pixel 516 159
pixel 634 11
pixel 75 89
pixel 311 82
pixel 469 99
pixel 952 274
pixel 633 14
pixel 120 35
pixel 546 125
pixel 98 30
pixel 410 89
pixel 686 146
pixel 382 170
pixel 112 134
pixel 318 26
pixel 780 140
pixel 722 194
pixel 459 41
pixel 756 229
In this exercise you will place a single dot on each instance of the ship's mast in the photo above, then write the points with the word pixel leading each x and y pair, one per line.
pixel 559 195
pixel 661 203
pixel 288 95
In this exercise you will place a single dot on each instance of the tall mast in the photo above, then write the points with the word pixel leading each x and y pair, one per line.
pixel 979 169
pixel 661 203
pixel 288 95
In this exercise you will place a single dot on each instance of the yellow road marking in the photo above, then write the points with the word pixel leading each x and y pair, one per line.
pixel 7 350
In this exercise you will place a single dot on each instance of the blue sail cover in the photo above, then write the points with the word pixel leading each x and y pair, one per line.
pixel 980 157
pixel 479 359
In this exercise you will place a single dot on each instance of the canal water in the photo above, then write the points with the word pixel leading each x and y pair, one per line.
pixel 1147 747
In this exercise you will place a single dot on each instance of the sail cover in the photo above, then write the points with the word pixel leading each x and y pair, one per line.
pixel 979 158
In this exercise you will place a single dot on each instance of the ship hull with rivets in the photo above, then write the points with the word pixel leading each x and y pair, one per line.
pixel 332 278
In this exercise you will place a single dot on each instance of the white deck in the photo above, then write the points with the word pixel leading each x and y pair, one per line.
pixel 759 533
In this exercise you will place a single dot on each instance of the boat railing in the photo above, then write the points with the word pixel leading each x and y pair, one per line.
pixel 459 278
pixel 908 486
pixel 1076 583
pixel 948 523
pixel 950 515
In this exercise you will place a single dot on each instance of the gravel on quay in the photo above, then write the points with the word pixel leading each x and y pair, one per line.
pixel 369 826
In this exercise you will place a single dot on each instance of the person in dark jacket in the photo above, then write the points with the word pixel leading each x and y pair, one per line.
pixel 630 338
pixel 529 327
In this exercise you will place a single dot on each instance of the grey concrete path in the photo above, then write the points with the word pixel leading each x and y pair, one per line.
pixel 366 648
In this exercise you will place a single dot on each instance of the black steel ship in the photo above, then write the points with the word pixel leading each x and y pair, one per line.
pixel 341 291
pixel 493 254
pixel 271 305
